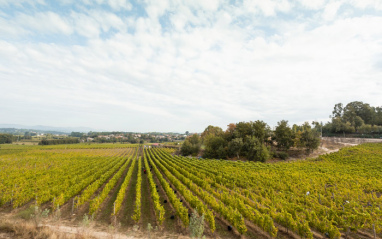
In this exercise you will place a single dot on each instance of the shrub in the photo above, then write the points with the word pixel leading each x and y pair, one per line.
pixel 283 155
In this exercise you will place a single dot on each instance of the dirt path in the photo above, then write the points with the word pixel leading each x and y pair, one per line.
pixel 328 145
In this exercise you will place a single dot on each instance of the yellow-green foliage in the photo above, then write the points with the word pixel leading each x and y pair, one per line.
pixel 96 202
pixel 159 209
pixel 137 210
pixel 331 194
pixel 122 191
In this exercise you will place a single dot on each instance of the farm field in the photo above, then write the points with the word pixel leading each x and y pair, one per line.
pixel 332 196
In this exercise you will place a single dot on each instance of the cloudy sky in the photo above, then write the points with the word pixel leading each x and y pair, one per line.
pixel 177 65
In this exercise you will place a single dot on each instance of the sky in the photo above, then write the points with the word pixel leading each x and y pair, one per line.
pixel 179 65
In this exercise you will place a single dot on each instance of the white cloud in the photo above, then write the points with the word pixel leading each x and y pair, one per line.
pixel 268 8
pixel 313 4
pixel 373 4
pixel 211 5
pixel 20 3
pixel 85 25
pixel 119 4
pixel 205 68
pixel 331 9
pixel 46 22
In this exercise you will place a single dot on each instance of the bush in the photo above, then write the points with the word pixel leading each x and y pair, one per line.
pixel 196 225
pixel 283 155
pixel 272 153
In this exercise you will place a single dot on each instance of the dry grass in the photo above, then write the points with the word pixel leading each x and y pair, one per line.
pixel 28 230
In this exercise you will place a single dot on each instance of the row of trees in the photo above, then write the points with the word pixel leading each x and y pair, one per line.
pixel 6 138
pixel 59 141
pixel 252 140
pixel 355 117
pixel 127 137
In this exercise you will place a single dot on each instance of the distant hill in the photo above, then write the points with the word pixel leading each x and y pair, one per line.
pixel 45 129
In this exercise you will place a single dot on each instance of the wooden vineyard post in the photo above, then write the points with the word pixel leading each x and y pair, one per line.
pixel 73 204
pixel 347 232
pixel 375 234
pixel 114 218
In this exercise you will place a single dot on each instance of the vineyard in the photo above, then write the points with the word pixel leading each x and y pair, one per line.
pixel 332 196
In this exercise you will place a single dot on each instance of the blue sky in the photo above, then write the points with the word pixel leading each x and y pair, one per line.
pixel 183 65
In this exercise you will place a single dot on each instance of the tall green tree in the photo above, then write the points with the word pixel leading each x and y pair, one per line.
pixel 358 108
pixel 261 130
pixel 256 150
pixel 191 145
pixel 230 132
pixel 6 138
pixel 358 122
pixel 235 146
pixel 338 110
pixel 212 130
pixel 243 129
pixel 310 138
pixel 284 135
pixel 215 147
pixel 377 116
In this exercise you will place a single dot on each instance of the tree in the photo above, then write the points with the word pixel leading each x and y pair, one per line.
pixel 310 138
pixel 358 122
pixel 229 134
pixel 297 140
pixel 243 129
pixel 77 134
pixel 235 146
pixel 338 126
pixel 6 138
pixel 353 117
pixel 283 135
pixel 191 145
pixel 377 116
pixel 337 111
pixel 357 108
pixel 186 148
pixel 27 135
pixel 261 130
pixel 215 147
pixel 256 150
pixel 317 126
pixel 365 129
pixel 212 130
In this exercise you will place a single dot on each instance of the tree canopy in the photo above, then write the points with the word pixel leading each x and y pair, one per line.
pixel 252 140
pixel 355 117
pixel 6 138
pixel 191 145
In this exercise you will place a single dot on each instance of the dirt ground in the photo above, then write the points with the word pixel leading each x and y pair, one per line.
pixel 12 227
